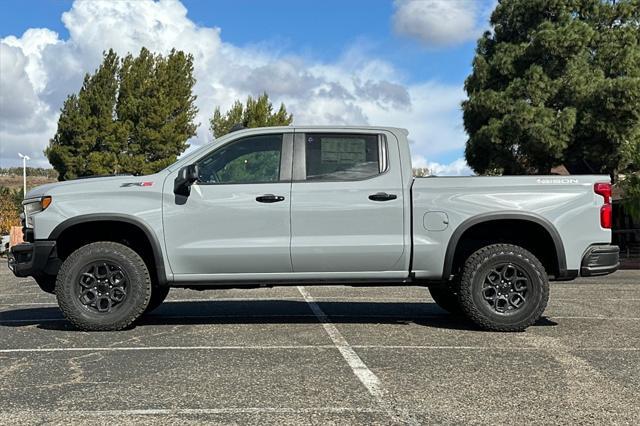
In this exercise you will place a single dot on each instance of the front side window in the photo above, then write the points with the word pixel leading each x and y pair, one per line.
pixel 344 156
pixel 255 159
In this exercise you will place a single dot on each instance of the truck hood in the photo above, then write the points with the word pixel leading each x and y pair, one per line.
pixel 93 184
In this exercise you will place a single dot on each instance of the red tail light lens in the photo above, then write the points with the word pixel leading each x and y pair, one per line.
pixel 604 190
pixel 605 216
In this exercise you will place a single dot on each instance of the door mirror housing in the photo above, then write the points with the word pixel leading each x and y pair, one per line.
pixel 186 177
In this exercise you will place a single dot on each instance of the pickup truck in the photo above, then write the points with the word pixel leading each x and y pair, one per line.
pixel 313 206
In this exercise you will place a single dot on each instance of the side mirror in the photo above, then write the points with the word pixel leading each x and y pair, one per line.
pixel 186 177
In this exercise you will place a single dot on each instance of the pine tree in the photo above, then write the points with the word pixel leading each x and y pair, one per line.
pixel 133 115
pixel 555 82
pixel 156 109
pixel 87 139
pixel 256 113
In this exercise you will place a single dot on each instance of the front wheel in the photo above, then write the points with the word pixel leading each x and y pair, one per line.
pixel 103 286
pixel 503 288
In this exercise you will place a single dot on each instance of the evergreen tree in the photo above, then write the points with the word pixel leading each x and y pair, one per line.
pixel 555 82
pixel 156 109
pixel 133 115
pixel 87 139
pixel 256 113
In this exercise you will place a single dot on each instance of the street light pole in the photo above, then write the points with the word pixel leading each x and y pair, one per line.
pixel 24 173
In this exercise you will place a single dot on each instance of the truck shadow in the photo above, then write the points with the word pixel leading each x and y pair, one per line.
pixel 265 312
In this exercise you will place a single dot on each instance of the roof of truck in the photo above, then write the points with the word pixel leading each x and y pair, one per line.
pixel 323 127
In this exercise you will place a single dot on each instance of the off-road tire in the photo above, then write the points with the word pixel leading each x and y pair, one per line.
pixel 158 294
pixel 138 290
pixel 47 283
pixel 474 273
pixel 446 298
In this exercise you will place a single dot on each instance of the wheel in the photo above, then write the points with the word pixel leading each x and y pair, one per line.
pixel 47 283
pixel 103 286
pixel 503 288
pixel 446 298
pixel 158 294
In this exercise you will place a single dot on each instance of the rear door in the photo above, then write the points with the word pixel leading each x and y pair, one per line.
pixel 347 205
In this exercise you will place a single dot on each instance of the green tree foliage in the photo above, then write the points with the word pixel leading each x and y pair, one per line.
pixel 631 182
pixel 555 82
pixel 256 113
pixel 132 115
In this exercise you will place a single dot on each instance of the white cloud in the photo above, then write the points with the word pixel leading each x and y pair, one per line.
pixel 438 23
pixel 458 167
pixel 38 71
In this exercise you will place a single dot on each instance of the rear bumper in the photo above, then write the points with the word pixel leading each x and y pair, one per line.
pixel 600 260
pixel 37 258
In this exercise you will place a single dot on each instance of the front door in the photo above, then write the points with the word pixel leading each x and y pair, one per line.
pixel 347 212
pixel 236 219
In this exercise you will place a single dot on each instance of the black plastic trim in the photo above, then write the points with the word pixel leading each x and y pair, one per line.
pixel 114 217
pixel 29 259
pixel 516 215
pixel 600 260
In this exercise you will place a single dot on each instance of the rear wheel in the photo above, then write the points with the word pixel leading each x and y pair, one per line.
pixel 103 286
pixel 446 298
pixel 503 288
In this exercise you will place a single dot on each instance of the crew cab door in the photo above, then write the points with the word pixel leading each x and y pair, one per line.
pixel 236 219
pixel 347 209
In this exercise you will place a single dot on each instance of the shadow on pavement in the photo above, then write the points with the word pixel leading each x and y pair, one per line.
pixel 264 312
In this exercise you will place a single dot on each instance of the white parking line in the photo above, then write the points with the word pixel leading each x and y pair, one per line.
pixel 164 348
pixel 308 347
pixel 367 377
pixel 184 411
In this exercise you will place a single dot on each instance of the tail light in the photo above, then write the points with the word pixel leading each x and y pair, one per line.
pixel 604 190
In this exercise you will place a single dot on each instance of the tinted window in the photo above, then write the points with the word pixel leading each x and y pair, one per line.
pixel 342 157
pixel 251 160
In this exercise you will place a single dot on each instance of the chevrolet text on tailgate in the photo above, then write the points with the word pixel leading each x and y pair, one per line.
pixel 313 206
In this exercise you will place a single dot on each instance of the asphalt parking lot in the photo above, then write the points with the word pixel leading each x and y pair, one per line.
pixel 323 355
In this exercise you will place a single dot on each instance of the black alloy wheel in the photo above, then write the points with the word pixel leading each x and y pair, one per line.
pixel 102 287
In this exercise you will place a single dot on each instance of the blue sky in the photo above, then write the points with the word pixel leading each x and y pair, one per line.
pixel 380 54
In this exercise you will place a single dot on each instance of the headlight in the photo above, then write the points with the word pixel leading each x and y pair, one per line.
pixel 32 207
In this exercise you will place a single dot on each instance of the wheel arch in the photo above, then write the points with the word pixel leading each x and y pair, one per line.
pixel 113 218
pixel 500 217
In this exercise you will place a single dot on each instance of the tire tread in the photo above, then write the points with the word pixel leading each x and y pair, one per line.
pixel 471 267
pixel 69 310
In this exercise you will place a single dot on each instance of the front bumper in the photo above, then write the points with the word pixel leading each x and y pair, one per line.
pixel 36 258
pixel 600 260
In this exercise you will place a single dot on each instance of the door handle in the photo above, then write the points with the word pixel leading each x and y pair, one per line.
pixel 382 196
pixel 269 198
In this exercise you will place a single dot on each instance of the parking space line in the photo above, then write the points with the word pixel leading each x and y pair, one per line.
pixel 304 347
pixel 165 348
pixel 367 377
pixel 186 411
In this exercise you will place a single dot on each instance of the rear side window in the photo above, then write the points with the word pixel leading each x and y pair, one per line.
pixel 344 156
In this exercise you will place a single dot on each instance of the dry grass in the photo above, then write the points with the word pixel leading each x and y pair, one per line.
pixel 15 182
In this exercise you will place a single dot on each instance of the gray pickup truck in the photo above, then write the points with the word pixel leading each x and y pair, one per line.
pixel 313 206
